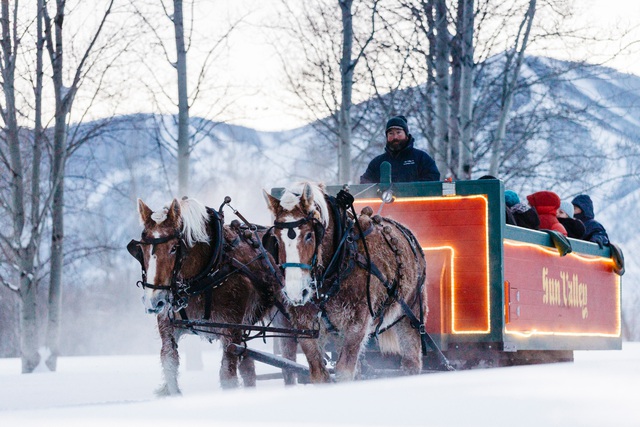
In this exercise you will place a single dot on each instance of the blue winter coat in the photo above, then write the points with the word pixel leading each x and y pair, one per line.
pixel 408 165
pixel 594 231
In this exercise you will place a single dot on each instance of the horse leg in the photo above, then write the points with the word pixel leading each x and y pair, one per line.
pixel 317 371
pixel 350 352
pixel 170 361
pixel 247 371
pixel 289 348
pixel 229 366
pixel 410 348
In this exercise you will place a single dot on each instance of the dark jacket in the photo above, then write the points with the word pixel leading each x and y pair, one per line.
pixel 575 227
pixel 525 216
pixel 594 231
pixel 546 203
pixel 408 165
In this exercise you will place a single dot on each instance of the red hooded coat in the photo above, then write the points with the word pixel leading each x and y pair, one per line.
pixel 546 204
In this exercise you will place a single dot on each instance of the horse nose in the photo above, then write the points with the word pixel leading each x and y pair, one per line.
pixel 305 294
pixel 154 303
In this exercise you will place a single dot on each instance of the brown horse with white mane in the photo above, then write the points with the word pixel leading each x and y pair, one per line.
pixel 358 278
pixel 196 268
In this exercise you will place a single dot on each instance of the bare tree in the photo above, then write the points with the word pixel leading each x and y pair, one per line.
pixel 183 99
pixel 192 78
pixel 466 96
pixel 331 75
pixel 20 243
pixel 513 64
pixel 64 98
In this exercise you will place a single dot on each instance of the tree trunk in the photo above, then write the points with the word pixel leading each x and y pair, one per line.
pixel 454 94
pixel 183 100
pixel 63 100
pixel 346 75
pixel 28 325
pixel 510 82
pixel 431 80
pixel 22 244
pixel 442 88
pixel 466 92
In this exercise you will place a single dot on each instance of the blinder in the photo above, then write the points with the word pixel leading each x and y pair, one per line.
pixel 318 228
pixel 134 248
pixel 270 243
pixel 136 251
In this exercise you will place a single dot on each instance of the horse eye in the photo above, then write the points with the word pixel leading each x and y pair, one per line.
pixel 308 236
pixel 173 250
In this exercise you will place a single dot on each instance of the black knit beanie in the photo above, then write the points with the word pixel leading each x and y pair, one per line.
pixel 397 122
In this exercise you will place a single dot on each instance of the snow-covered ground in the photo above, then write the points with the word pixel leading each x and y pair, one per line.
pixel 599 389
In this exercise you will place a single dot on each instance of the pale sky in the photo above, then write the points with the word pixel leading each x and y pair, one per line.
pixel 257 66
pixel 258 92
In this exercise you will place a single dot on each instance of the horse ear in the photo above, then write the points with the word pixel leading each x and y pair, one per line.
pixel 173 214
pixel 144 211
pixel 272 203
pixel 306 198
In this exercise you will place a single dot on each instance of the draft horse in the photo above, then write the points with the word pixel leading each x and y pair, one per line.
pixel 359 278
pixel 195 267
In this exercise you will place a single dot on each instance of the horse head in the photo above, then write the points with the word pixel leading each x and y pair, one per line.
pixel 300 219
pixel 166 237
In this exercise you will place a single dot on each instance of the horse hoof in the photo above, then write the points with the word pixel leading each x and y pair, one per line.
pixel 230 383
pixel 164 391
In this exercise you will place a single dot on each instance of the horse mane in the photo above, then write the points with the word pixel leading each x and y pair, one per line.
pixel 194 222
pixel 291 198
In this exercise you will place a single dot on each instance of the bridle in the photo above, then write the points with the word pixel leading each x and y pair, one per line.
pixel 180 289
pixel 340 264
pixel 136 251
pixel 318 229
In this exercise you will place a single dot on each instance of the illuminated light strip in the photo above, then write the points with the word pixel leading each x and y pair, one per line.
pixel 425 198
pixel 590 259
pixel 550 251
pixel 487 266
pixel 616 334
pixel 486 239
pixel 535 332
pixel 451 278
pixel 453 283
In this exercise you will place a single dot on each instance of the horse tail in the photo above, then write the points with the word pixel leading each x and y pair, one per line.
pixel 389 342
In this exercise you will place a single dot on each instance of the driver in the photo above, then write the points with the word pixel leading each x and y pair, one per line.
pixel 408 164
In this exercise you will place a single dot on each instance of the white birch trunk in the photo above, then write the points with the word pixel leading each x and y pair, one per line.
pixel 22 251
pixel 62 101
pixel 466 92
pixel 442 89
pixel 511 79
pixel 346 75
pixel 183 100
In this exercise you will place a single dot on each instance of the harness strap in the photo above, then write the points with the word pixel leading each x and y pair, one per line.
pixel 366 251
pixel 296 264
pixel 208 302
pixel 424 336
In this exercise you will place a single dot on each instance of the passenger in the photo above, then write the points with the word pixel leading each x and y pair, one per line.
pixel 594 231
pixel 575 227
pixel 524 216
pixel 546 203
pixel 408 164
